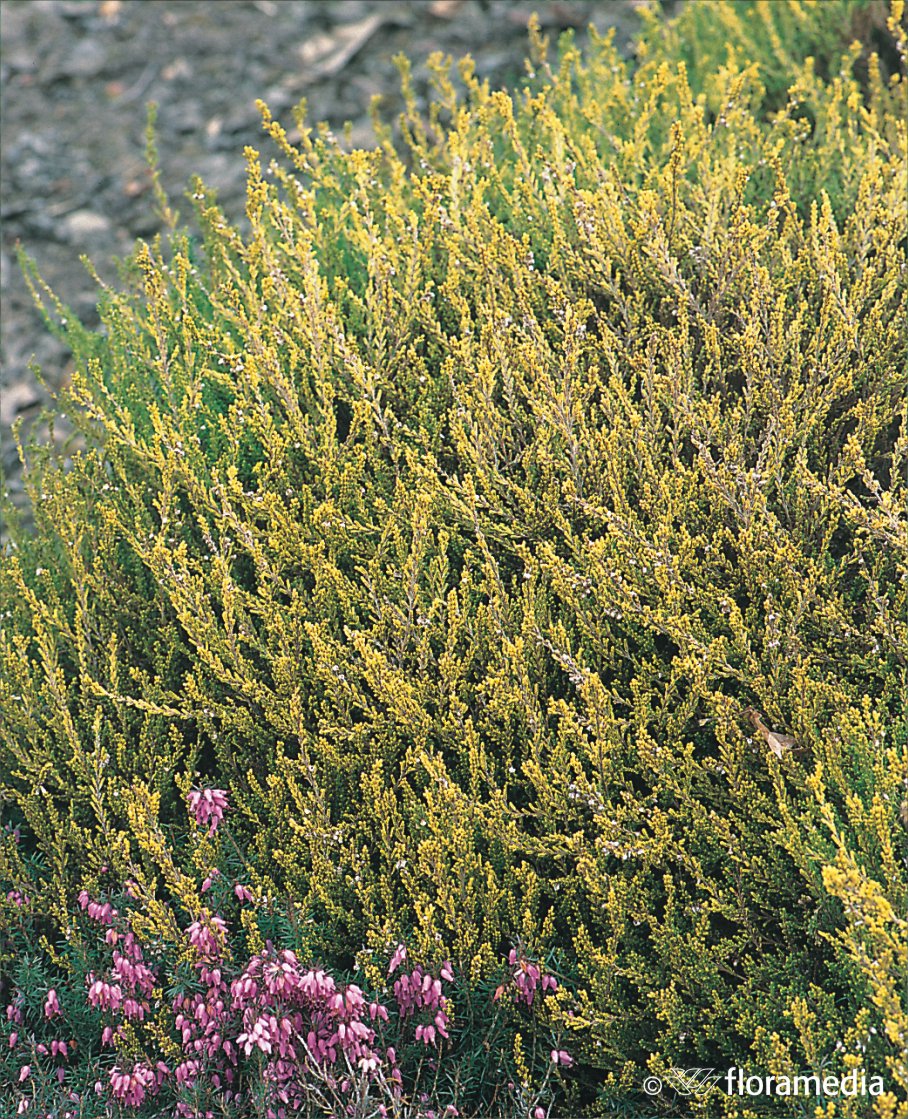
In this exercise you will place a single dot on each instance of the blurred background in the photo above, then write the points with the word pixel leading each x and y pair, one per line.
pixel 76 76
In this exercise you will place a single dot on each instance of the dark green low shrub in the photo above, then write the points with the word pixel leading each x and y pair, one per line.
pixel 453 514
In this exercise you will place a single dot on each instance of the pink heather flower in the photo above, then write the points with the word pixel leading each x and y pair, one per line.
pixel 258 1034
pixel 132 1009
pixel 104 913
pixel 560 1057
pixel 400 954
pixel 209 881
pixel 24 1073
pixel 526 977
pixel 539 1113
pixel 106 996
pixel 208 807
pixel 13 1038
pixel 207 934
pixel 130 1088
pixel 186 1073
pixel 52 1004
pixel 243 893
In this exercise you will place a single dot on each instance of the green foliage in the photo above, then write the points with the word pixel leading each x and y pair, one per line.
pixel 453 512
pixel 712 35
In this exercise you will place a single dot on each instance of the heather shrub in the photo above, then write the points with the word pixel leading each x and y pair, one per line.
pixel 778 38
pixel 164 1015
pixel 515 527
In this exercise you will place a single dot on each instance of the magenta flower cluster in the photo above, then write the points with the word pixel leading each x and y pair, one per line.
pixel 304 1022
pixel 123 993
pixel 296 1024
pixel 208 807
pixel 56 1049
pixel 131 1087
pixel 526 977
pixel 267 1023
pixel 419 991
pixel 203 1018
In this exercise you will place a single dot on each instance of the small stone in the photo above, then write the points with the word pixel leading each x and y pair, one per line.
pixel 82 226
pixel 87 60
pixel 15 399
pixel 22 61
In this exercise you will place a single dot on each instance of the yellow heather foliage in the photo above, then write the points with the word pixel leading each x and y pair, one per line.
pixel 450 515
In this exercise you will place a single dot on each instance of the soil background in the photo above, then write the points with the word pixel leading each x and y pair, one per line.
pixel 76 77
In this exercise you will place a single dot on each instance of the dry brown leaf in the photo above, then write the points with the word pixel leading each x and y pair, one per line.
pixel 445 9
pixel 780 744
pixel 134 188
pixel 323 56
pixel 179 68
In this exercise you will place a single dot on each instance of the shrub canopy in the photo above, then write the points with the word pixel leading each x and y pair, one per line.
pixel 452 511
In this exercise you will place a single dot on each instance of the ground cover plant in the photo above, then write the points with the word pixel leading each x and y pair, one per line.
pixel 488 568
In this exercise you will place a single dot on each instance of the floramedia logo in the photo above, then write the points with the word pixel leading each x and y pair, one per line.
pixel 693 1081
pixel 738 1082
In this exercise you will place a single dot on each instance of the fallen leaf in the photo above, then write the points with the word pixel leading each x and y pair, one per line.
pixel 179 68
pixel 323 56
pixel 444 9
pixel 778 743
pixel 135 187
